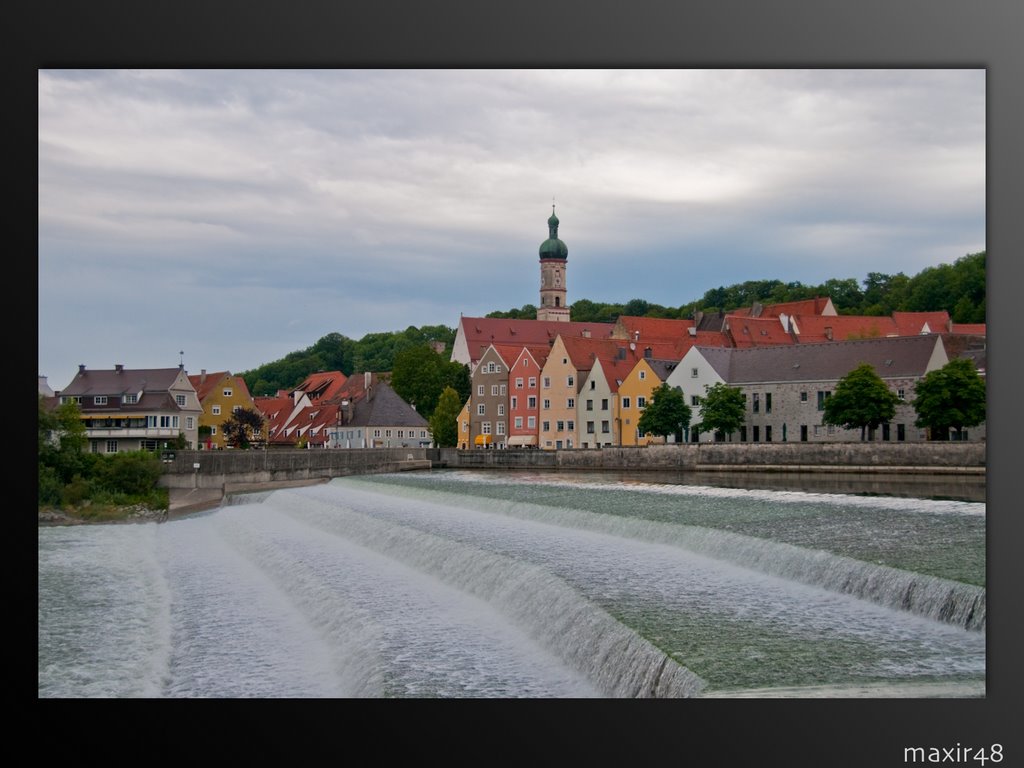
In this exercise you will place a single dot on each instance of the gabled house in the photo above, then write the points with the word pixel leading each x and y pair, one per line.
pixel 635 393
pixel 133 410
pixel 489 398
pixel 281 413
pixel 220 394
pixel 463 439
pixel 379 419
pixel 524 396
pixel 597 405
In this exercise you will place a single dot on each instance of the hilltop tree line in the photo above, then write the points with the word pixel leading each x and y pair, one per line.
pixel 958 288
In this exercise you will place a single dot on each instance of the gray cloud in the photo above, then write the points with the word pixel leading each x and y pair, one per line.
pixel 242 214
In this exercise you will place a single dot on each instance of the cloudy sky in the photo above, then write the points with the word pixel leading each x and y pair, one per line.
pixel 239 215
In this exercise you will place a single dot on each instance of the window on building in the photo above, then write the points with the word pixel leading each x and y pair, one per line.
pixel 593 384
pixel 559 426
pixel 100 400
pixel 227 393
pixel 546 426
pixel 213 430
pixel 500 427
pixel 387 433
pixel 641 402
pixel 190 423
pixel 401 433
pixel 531 403
pixel 502 390
pixel 757 434
pixel 695 400
pixel 817 430
pixel 604 404
pixel 519 381
pixel 130 399
pixel 533 382
pixel 111 446
pixel 547 382
pixel 757 402
pixel 236 408
pixel 570 425
pixel 547 404
pixel 886 435
pixel 743 434
pixel 179 399
pixel 901 394
pixel 481 409
pixel 767 402
pixel 531 422
pixel 590 405
pixel 590 427
pixel 570 402
pixel 494 390
pixel 480 390
pixel 501 409
pixel 151 421
pixel 643 375
pixel 518 423
pixel 901 432
pixel 767 433
pixel 605 427
pixel 822 397
pixel 165 421
pixel 570 381
pixel 558 444
pixel 803 397
pixel 514 402
pixel 215 410
pixel 625 402
pixel 693 373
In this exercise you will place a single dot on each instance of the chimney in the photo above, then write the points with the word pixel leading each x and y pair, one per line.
pixel 586 333
pixel 828 332
pixel 636 336
pixel 648 352
pixel 119 368
pixel 698 315
pixel 81 368
pixel 202 376
pixel 367 380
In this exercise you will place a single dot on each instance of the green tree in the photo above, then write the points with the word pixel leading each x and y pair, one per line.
pixel 666 414
pixel 242 427
pixel 444 421
pixel 722 409
pixel 861 399
pixel 420 375
pixel 952 397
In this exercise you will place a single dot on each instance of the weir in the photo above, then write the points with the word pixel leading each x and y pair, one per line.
pixel 464 585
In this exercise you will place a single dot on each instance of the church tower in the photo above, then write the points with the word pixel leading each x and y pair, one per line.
pixel 553 255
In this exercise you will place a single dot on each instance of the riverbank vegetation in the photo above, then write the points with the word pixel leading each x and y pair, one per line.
pixel 92 487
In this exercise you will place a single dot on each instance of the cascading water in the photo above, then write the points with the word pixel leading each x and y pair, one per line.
pixel 463 584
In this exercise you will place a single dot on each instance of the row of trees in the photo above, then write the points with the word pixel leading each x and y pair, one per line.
pixel 336 352
pixel 958 288
pixel 949 398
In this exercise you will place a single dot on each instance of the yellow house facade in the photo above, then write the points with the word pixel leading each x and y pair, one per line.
pixel 558 390
pixel 463 441
pixel 634 395
pixel 220 394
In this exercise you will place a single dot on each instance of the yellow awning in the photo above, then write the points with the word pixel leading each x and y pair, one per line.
pixel 482 440
pixel 112 416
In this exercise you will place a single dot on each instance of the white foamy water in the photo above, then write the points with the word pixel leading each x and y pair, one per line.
pixel 374 587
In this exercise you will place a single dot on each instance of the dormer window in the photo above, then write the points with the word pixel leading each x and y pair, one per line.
pixel 180 400
pixel 99 400
pixel 227 393
pixel 130 399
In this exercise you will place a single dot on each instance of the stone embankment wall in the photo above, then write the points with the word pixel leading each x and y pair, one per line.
pixel 759 457
pixel 217 469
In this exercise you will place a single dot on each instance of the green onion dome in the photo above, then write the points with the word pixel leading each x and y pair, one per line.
pixel 553 248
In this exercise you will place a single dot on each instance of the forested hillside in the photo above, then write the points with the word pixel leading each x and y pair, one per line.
pixel 958 288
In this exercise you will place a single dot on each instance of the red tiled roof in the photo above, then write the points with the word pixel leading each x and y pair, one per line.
pixel 969 329
pixel 653 328
pixel 913 323
pixel 814 328
pixel 322 385
pixel 815 306
pixel 756 331
pixel 480 332
pixel 204 383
